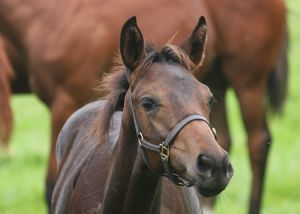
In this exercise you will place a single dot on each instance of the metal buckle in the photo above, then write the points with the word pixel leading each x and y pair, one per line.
pixel 140 137
pixel 214 132
pixel 182 182
pixel 163 151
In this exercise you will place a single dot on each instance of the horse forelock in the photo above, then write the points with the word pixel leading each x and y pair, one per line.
pixel 177 55
pixel 167 54
pixel 115 84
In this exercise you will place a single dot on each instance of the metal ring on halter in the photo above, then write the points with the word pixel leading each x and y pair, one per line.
pixel 140 138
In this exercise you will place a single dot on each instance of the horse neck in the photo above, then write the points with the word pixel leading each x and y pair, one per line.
pixel 130 186
pixel 120 173
pixel 144 191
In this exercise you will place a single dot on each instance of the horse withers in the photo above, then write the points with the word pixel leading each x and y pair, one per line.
pixel 112 161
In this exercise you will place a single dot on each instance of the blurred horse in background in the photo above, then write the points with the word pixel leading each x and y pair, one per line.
pixel 62 48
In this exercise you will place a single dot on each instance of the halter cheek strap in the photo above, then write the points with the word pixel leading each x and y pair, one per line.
pixel 164 148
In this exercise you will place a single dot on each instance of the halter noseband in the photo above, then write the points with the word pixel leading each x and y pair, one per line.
pixel 164 148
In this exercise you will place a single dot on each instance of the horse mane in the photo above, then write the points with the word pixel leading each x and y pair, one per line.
pixel 115 84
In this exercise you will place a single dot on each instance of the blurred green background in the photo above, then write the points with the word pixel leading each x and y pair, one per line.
pixel 22 172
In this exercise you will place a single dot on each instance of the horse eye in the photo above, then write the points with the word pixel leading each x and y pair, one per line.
pixel 211 101
pixel 148 104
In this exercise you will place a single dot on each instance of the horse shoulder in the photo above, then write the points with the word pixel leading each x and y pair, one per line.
pixel 72 128
pixel 80 157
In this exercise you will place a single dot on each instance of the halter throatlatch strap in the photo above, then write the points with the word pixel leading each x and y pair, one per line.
pixel 164 148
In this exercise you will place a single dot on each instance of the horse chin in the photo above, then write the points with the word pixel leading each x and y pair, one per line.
pixel 209 188
pixel 206 192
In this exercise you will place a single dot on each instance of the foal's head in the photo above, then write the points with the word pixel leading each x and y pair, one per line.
pixel 165 97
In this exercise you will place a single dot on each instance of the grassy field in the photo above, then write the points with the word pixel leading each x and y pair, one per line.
pixel 22 172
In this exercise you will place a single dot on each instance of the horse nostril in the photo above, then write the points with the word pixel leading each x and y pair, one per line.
pixel 205 165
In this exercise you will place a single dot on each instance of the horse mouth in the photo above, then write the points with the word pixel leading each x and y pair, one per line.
pixel 213 185
pixel 209 188
pixel 206 192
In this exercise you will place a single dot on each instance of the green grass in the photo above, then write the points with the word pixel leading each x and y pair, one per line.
pixel 22 173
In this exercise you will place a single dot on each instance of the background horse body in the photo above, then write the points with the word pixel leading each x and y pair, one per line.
pixel 65 47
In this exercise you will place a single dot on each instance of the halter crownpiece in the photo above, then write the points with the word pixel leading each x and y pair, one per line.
pixel 164 148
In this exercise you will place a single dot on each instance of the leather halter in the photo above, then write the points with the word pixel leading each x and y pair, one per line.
pixel 164 148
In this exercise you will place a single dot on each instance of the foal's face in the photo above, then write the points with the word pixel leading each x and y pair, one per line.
pixel 165 95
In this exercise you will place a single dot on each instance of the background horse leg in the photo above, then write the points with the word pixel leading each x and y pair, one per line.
pixel 6 114
pixel 62 107
pixel 253 106
pixel 218 118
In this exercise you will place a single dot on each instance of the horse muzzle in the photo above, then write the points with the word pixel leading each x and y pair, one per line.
pixel 213 174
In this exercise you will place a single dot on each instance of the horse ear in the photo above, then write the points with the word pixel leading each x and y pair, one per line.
pixel 131 44
pixel 195 44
